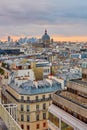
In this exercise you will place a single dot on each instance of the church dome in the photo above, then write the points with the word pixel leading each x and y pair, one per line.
pixel 46 37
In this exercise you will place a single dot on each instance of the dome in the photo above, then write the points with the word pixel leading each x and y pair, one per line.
pixel 46 37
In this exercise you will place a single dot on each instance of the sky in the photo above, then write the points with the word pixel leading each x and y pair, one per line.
pixel 63 19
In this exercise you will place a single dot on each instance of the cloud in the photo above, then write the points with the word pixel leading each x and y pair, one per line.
pixel 23 16
pixel 41 12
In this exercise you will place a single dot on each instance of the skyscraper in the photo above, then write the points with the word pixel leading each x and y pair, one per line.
pixel 9 39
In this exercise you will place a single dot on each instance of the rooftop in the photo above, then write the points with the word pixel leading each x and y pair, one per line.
pixel 79 82
pixel 32 87
pixel 66 117
pixel 74 98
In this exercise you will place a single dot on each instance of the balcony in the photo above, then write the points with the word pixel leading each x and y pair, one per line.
pixel 8 94
pixel 8 119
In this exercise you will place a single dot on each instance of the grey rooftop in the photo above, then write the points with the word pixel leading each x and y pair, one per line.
pixel 79 82
pixel 40 87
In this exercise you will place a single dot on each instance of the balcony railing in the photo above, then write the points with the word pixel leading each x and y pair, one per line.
pixel 28 101
pixel 8 119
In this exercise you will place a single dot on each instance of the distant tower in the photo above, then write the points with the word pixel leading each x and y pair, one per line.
pixel 45 32
pixel 9 39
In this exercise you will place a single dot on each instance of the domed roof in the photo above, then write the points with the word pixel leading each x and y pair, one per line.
pixel 45 37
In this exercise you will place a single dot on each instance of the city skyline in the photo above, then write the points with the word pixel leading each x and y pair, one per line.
pixel 55 38
pixel 64 20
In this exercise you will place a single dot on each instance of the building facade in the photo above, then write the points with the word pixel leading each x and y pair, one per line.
pixel 69 107
pixel 33 99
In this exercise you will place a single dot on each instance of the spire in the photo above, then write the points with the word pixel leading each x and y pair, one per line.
pixel 45 31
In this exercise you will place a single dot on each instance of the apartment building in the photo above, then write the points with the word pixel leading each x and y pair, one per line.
pixel 33 99
pixel 69 107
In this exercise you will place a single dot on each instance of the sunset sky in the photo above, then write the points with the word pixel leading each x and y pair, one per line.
pixel 64 19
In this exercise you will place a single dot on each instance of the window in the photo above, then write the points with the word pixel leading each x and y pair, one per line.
pixel 65 126
pixel 22 107
pixel 28 118
pixel 44 115
pixel 22 117
pixel 50 96
pixel 28 98
pixel 28 127
pixel 22 98
pixel 22 126
pixel 44 106
pixel 37 117
pixel 44 124
pixel 28 108
pixel 36 98
pixel 37 107
pixel 53 119
pixel 50 103
pixel 84 75
pixel 37 127
pixel 28 72
pixel 43 96
pixel 46 70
